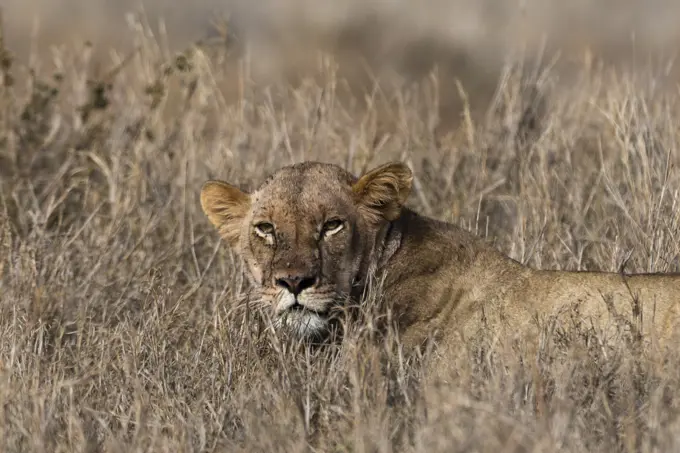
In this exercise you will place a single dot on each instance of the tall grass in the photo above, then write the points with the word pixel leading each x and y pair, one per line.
pixel 121 321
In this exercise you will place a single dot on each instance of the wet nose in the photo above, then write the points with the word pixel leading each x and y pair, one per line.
pixel 296 283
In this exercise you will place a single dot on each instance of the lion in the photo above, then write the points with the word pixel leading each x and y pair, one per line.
pixel 312 234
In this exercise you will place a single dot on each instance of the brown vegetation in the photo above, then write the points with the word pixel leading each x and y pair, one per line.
pixel 120 322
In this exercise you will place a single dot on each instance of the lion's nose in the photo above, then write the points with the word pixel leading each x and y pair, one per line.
pixel 296 284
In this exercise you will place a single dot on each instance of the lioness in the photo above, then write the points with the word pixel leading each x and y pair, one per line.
pixel 312 232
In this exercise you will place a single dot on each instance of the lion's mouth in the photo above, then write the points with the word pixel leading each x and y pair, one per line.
pixel 287 302
pixel 298 307
pixel 307 315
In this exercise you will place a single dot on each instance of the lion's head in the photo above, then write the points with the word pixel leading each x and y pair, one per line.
pixel 307 235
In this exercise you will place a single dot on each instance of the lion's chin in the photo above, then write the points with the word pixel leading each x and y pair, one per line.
pixel 304 324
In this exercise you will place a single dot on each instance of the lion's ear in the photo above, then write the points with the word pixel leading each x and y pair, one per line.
pixel 226 207
pixel 382 192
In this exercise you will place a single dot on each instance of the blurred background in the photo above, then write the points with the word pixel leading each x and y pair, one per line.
pixel 468 41
pixel 483 32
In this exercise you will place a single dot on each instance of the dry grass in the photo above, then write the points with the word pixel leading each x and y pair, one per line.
pixel 120 327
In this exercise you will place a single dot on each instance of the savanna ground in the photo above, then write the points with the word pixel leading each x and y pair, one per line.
pixel 120 322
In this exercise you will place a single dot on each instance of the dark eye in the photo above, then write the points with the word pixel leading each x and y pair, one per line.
pixel 264 229
pixel 332 226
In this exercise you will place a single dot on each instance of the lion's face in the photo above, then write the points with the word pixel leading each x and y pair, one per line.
pixel 306 235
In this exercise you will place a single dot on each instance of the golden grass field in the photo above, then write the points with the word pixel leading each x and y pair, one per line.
pixel 120 323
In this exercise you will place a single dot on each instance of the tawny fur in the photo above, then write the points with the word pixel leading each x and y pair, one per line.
pixel 440 281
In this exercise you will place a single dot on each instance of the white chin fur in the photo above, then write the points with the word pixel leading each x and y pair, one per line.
pixel 303 323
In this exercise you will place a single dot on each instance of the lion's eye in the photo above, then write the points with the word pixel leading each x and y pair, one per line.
pixel 332 226
pixel 264 229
